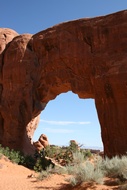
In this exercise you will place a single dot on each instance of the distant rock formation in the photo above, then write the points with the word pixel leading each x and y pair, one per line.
pixel 85 56
pixel 41 143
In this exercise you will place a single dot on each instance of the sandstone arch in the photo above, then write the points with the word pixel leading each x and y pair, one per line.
pixel 85 56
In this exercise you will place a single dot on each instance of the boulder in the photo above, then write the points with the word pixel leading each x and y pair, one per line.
pixel 41 143
pixel 38 146
pixel 44 140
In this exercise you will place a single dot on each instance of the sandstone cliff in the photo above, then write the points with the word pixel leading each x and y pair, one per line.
pixel 85 56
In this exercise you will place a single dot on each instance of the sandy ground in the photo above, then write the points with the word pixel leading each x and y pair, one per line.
pixel 15 177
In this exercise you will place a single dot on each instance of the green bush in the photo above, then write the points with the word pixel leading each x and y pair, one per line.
pixel 52 151
pixel 14 156
pixel 1 155
pixel 87 153
pixel 29 161
pixel 17 157
pixel 42 163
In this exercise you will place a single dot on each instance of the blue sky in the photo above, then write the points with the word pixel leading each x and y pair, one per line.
pixel 67 117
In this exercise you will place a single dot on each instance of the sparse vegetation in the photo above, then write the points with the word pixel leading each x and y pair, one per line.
pixel 51 170
pixel 95 172
pixel 72 161
pixel 83 170
pixel 116 167
pixel 45 173
pixel 64 155
pixel 42 160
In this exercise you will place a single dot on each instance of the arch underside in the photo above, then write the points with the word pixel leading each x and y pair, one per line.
pixel 82 56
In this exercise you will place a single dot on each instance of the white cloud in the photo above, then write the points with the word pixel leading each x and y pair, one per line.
pixel 50 130
pixel 65 122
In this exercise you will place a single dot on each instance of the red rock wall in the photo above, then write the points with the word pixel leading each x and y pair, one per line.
pixel 86 56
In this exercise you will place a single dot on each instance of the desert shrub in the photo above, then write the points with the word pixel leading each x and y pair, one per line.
pixel 82 170
pixel 85 173
pixel 18 157
pixel 14 156
pixel 59 170
pixel 45 173
pixel 38 167
pixel 42 163
pixel 123 187
pixel 5 151
pixel 51 170
pixel 52 151
pixel 1 155
pixel 78 158
pixel 64 155
pixel 73 146
pixel 38 163
pixel 29 161
pixel 116 167
pixel 87 153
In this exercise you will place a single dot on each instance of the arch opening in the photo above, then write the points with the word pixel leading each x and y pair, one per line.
pixel 68 117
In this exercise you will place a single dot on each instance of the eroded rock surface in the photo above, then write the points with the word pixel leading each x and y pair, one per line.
pixel 85 56
pixel 41 143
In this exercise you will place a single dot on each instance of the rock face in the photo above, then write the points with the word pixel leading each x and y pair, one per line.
pixel 86 56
